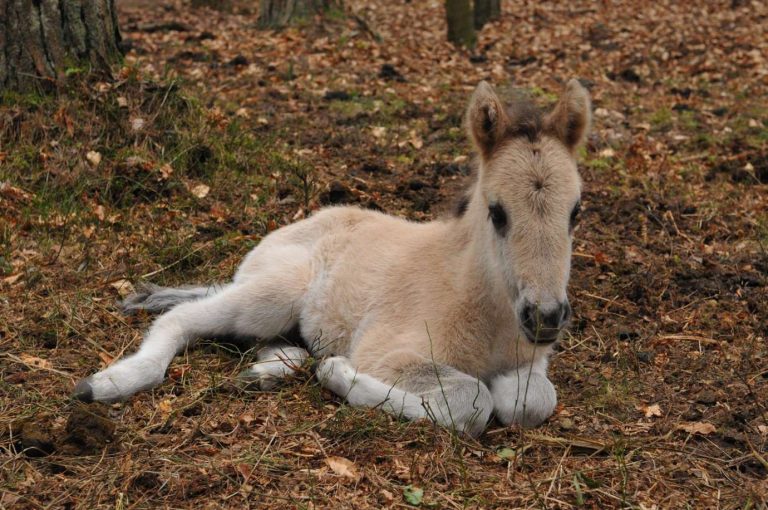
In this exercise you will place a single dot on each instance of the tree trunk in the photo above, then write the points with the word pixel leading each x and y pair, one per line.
pixel 42 41
pixel 279 13
pixel 485 11
pixel 461 30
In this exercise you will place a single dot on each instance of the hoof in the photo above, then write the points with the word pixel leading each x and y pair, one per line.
pixel 250 380
pixel 83 391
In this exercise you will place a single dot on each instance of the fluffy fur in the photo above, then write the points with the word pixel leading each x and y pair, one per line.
pixel 420 319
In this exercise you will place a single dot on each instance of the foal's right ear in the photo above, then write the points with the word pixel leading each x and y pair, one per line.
pixel 572 115
pixel 486 119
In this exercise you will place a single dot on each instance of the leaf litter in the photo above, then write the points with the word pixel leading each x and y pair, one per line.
pixel 668 281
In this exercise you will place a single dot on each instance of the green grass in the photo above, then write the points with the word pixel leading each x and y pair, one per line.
pixel 661 119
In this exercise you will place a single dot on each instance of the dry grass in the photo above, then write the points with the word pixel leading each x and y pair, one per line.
pixel 661 380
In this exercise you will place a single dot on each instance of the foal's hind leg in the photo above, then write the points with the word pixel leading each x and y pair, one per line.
pixel 441 393
pixel 264 305
pixel 156 299
pixel 275 363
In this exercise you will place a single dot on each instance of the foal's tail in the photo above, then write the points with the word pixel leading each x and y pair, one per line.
pixel 156 299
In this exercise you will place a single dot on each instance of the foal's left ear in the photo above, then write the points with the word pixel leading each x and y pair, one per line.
pixel 486 119
pixel 571 117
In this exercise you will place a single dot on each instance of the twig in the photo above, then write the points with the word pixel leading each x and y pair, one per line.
pixel 182 259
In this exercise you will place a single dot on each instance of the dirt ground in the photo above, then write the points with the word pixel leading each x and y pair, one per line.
pixel 662 378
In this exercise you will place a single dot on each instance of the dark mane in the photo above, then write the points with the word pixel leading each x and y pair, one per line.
pixel 526 120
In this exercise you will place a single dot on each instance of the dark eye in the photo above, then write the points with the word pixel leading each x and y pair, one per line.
pixel 575 214
pixel 498 216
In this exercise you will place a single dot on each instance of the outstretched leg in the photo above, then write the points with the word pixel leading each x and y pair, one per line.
pixel 275 363
pixel 264 305
pixel 441 393
pixel 156 299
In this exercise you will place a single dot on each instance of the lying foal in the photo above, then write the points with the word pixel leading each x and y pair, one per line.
pixel 451 320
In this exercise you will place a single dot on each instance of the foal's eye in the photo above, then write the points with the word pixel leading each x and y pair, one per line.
pixel 498 216
pixel 575 214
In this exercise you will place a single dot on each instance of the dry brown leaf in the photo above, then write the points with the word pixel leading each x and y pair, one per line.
pixel 93 157
pixel 137 123
pixel 343 467
pixel 123 287
pixel 200 190
pixel 34 361
pixel 10 280
pixel 698 427
pixel 100 212
pixel 165 407
pixel 650 410
pixel 165 171
pixel 106 358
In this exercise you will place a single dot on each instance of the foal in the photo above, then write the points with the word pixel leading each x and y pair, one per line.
pixel 450 320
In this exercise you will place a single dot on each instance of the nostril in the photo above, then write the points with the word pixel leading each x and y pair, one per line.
pixel 528 316
pixel 567 311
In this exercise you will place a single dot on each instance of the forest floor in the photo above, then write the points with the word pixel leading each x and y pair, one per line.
pixel 215 133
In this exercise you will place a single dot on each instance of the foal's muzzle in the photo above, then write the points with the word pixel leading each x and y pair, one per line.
pixel 543 326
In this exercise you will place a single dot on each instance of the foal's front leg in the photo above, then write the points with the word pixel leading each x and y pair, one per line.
pixel 523 396
pixel 441 393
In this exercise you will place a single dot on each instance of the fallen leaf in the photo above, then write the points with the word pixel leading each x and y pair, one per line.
pixel 200 190
pixel 698 427
pixel 9 191
pixel 343 467
pixel 378 131
pixel 607 153
pixel 93 157
pixel 34 361
pixel 122 102
pixel 245 419
pixel 506 453
pixel 649 410
pixel 177 373
pixel 137 123
pixel 123 287
pixel 106 358
pixel 100 212
pixel 165 407
pixel 413 495
pixel 165 171
pixel 415 140
pixel 10 280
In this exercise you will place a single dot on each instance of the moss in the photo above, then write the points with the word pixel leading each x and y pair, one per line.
pixel 661 120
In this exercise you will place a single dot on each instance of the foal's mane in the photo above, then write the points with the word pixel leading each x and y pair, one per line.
pixel 526 121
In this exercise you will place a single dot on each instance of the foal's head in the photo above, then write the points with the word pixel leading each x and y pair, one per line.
pixel 527 196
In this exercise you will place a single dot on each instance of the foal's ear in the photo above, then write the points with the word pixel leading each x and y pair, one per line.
pixel 486 119
pixel 571 117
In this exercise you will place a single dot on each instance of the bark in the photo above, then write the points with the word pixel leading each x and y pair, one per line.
pixel 485 11
pixel 461 29
pixel 41 39
pixel 280 13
